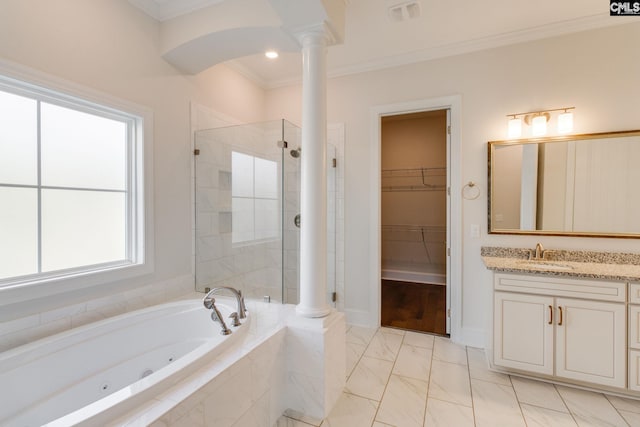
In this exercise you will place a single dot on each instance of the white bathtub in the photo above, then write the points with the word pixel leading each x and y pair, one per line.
pixel 99 371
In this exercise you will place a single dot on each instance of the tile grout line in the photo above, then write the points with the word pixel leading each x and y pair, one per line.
pixel 388 379
pixel 353 370
pixel 615 408
pixel 361 355
pixel 426 402
pixel 518 400
pixel 565 404
pixel 544 407
pixel 473 405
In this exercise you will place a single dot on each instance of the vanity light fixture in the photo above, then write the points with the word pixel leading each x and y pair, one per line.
pixel 271 54
pixel 515 127
pixel 565 122
pixel 538 122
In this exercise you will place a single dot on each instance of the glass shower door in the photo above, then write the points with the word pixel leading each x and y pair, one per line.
pixel 239 201
pixel 291 155
pixel 247 210
pixel 331 225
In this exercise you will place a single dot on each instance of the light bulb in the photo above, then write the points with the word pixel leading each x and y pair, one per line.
pixel 565 122
pixel 539 125
pixel 271 54
pixel 515 128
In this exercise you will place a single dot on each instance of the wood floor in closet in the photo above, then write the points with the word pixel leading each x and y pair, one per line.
pixel 414 306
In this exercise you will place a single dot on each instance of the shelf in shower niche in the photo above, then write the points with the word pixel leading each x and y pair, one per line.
pixel 417 179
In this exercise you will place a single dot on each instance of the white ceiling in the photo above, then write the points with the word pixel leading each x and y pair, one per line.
pixel 163 10
pixel 373 40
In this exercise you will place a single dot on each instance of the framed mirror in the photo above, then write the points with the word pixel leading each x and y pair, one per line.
pixel 576 185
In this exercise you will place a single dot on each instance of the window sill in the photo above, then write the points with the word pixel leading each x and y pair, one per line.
pixel 25 291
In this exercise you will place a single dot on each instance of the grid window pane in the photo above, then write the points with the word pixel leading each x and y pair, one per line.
pixel 267 219
pixel 242 220
pixel 266 178
pixel 256 216
pixel 18 139
pixel 82 150
pixel 18 232
pixel 82 228
pixel 242 175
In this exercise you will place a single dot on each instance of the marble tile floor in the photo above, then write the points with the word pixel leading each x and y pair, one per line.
pixel 408 379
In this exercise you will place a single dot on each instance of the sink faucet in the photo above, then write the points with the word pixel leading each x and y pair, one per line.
pixel 539 252
pixel 242 310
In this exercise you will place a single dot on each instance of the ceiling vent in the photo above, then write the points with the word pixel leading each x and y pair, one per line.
pixel 402 10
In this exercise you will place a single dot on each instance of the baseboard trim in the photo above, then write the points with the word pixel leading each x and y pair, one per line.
pixel 472 337
pixel 359 318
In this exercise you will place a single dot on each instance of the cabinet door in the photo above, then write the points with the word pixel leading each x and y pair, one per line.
pixel 634 326
pixel 523 332
pixel 634 370
pixel 591 341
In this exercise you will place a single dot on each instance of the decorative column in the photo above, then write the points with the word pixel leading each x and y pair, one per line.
pixel 313 203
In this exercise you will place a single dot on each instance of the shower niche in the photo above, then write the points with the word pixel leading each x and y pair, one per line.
pixel 247 210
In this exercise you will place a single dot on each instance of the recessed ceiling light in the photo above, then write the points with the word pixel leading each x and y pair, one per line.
pixel 271 54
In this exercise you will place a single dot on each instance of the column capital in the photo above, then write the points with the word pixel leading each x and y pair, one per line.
pixel 315 34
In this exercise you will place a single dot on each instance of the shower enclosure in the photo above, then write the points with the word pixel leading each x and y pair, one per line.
pixel 247 210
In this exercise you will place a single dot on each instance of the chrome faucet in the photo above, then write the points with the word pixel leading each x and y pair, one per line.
pixel 539 252
pixel 210 304
pixel 242 309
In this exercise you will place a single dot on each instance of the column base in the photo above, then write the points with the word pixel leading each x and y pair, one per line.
pixel 316 364
pixel 313 312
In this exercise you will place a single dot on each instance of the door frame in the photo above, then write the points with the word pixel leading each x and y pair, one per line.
pixel 454 220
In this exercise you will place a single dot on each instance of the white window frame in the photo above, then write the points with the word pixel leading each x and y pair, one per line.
pixel 140 240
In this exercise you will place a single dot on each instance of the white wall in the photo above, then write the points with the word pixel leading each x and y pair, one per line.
pixel 111 47
pixel 593 71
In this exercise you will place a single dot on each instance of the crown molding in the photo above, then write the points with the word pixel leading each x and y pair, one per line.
pixel 248 73
pixel 483 43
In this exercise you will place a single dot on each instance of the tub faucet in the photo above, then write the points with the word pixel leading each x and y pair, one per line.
pixel 210 304
pixel 242 309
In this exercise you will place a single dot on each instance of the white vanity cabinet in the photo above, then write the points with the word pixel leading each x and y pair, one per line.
pixel 522 334
pixel 568 328
pixel 634 336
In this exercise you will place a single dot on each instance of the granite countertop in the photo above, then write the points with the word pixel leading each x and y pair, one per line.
pixel 588 264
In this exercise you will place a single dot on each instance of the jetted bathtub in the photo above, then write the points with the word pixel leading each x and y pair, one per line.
pixel 99 371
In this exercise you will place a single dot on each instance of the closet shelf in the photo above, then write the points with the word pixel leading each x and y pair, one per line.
pixel 425 235
pixel 418 179
pixel 414 233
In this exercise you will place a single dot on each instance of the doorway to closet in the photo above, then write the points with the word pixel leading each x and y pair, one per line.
pixel 414 220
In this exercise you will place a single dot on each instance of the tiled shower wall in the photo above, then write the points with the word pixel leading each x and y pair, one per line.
pixel 291 233
pixel 203 118
pixel 254 268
